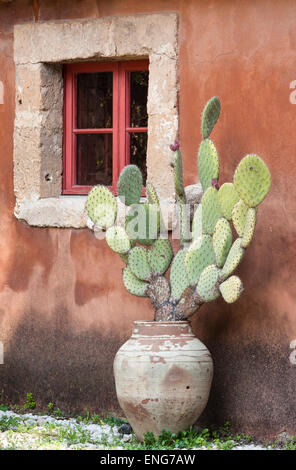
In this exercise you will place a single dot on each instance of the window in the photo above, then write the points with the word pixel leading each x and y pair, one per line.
pixel 105 122
pixel 39 154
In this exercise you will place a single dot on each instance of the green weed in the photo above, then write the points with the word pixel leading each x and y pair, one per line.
pixel 30 402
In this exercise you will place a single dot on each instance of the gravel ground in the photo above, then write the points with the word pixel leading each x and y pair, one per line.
pixel 29 431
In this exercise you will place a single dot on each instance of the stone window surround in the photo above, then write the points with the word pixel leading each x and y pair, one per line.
pixel 40 50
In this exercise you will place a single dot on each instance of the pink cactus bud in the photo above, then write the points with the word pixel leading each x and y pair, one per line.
pixel 215 184
pixel 175 146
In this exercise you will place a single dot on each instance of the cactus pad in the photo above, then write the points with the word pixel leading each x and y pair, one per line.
pixel 227 197
pixel 207 287
pixel 160 256
pixel 199 255
pixel 132 284
pixel 184 220
pixel 211 212
pixel 252 180
pixel 129 186
pixel 231 289
pixel 142 223
pixel 178 173
pixel 222 240
pixel 138 262
pixel 208 163
pixel 178 277
pixel 250 222
pixel 117 239
pixel 233 259
pixel 210 116
pixel 197 223
pixel 239 216
pixel 101 207
pixel 151 194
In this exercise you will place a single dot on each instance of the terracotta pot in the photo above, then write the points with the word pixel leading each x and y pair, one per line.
pixel 163 376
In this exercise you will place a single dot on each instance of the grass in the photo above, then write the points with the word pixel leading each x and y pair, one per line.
pixel 9 423
pixel 219 438
pixel 19 435
pixel 22 433
pixel 30 403
pixel 291 445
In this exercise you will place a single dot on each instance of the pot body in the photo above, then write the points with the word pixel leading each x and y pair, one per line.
pixel 163 376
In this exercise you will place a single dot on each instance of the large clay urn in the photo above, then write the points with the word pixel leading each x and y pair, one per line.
pixel 163 376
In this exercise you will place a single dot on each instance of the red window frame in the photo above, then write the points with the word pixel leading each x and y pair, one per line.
pixel 121 119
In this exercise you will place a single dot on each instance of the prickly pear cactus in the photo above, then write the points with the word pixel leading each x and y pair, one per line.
pixel 210 116
pixel 129 186
pixel 203 268
pixel 101 206
pixel 208 163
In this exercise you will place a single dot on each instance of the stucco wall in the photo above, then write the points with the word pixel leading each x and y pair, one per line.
pixel 64 311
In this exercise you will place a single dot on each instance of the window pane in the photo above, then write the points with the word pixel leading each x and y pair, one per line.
pixel 138 150
pixel 94 100
pixel 138 96
pixel 94 159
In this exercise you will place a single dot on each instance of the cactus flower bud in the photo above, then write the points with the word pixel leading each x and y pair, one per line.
pixel 175 146
pixel 215 184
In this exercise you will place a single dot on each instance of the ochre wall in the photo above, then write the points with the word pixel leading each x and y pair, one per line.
pixel 63 309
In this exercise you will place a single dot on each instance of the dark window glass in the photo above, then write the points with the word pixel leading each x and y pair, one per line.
pixel 138 96
pixel 94 159
pixel 94 100
pixel 138 150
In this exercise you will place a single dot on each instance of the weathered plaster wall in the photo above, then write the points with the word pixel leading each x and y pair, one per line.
pixel 63 309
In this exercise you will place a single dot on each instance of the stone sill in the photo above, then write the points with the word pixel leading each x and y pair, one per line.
pixel 70 212
pixel 63 212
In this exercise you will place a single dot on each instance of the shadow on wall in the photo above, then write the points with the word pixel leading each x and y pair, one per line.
pixel 72 370
pixel 249 383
